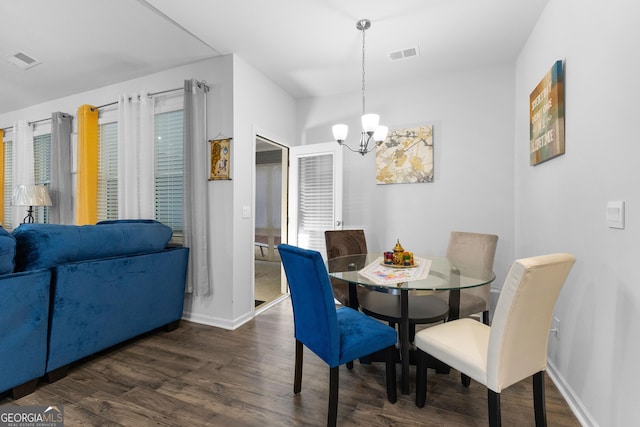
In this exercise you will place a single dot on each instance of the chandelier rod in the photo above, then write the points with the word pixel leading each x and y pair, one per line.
pixel 363 25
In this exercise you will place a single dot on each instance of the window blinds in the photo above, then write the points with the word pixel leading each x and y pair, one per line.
pixel 168 159
pixel 168 170
pixel 315 209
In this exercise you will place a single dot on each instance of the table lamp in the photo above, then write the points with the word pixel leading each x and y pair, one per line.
pixel 31 195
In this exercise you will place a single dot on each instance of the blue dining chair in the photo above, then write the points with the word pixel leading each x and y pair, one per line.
pixel 337 336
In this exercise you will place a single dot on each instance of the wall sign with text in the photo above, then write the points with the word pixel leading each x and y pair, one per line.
pixel 546 117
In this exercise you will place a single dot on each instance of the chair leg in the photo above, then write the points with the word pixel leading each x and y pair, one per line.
pixel 392 392
pixel 538 399
pixel 421 379
pixel 412 332
pixel 297 379
pixel 494 408
pixel 465 380
pixel 332 416
pixel 485 318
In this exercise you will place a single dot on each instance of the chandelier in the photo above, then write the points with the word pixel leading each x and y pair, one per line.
pixel 372 131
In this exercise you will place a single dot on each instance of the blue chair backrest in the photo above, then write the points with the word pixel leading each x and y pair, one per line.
pixel 314 309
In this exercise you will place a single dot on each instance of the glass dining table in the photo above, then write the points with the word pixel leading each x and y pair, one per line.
pixel 437 274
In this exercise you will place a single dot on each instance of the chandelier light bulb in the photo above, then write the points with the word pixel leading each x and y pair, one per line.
pixel 340 132
pixel 380 133
pixel 370 122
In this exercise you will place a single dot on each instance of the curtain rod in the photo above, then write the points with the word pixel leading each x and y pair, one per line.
pixel 35 122
pixel 149 95
pixel 114 103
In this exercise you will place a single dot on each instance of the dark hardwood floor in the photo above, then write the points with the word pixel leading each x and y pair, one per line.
pixel 203 376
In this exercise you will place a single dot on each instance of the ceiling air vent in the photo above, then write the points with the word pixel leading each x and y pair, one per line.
pixel 403 54
pixel 22 60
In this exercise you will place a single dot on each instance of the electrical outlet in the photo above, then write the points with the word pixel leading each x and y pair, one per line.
pixel 555 327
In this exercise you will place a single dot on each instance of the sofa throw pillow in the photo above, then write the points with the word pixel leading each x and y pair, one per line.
pixel 48 245
pixel 7 252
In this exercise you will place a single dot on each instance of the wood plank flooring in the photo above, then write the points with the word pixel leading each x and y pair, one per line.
pixel 203 376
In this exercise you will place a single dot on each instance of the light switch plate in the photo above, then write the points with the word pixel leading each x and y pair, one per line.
pixel 615 214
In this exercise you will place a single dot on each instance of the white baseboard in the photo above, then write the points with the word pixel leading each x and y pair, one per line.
pixel 574 402
pixel 216 321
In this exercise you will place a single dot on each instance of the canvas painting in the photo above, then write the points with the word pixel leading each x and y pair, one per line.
pixel 546 117
pixel 405 156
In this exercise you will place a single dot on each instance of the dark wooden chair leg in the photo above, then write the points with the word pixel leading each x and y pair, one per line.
pixel 494 408
pixel 24 389
pixel 538 399
pixel 297 378
pixel 392 392
pixel 421 379
pixel 412 332
pixel 465 380
pixel 485 318
pixel 332 416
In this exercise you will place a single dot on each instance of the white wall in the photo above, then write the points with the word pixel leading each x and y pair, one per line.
pixel 472 114
pixel 560 205
pixel 241 104
pixel 259 107
pixel 211 70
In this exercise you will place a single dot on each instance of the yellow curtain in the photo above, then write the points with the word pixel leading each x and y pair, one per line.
pixel 2 175
pixel 87 178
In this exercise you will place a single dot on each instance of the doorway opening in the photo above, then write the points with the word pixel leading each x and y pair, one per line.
pixel 271 173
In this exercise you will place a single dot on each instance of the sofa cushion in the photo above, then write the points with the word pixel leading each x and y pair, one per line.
pixel 7 251
pixel 48 245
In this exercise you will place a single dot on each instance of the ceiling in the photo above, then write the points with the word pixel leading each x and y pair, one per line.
pixel 307 47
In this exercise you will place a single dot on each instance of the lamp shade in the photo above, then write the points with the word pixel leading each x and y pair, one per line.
pixel 380 133
pixel 31 195
pixel 370 122
pixel 340 132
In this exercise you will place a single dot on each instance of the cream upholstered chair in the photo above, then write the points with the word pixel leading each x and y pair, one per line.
pixel 479 250
pixel 514 347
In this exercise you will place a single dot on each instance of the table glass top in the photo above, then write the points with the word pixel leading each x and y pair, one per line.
pixel 443 274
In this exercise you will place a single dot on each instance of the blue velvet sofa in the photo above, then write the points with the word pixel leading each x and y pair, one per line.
pixel 24 318
pixel 109 282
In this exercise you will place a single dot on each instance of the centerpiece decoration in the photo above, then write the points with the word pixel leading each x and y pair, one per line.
pixel 396 267
pixel 399 258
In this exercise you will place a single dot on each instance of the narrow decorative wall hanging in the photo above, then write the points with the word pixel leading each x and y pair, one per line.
pixel 405 156
pixel 220 159
pixel 546 114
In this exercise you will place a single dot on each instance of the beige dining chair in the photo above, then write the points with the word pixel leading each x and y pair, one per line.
pixel 514 347
pixel 477 250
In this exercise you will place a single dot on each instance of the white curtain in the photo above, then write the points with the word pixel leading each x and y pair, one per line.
pixel 196 201
pixel 136 198
pixel 23 160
